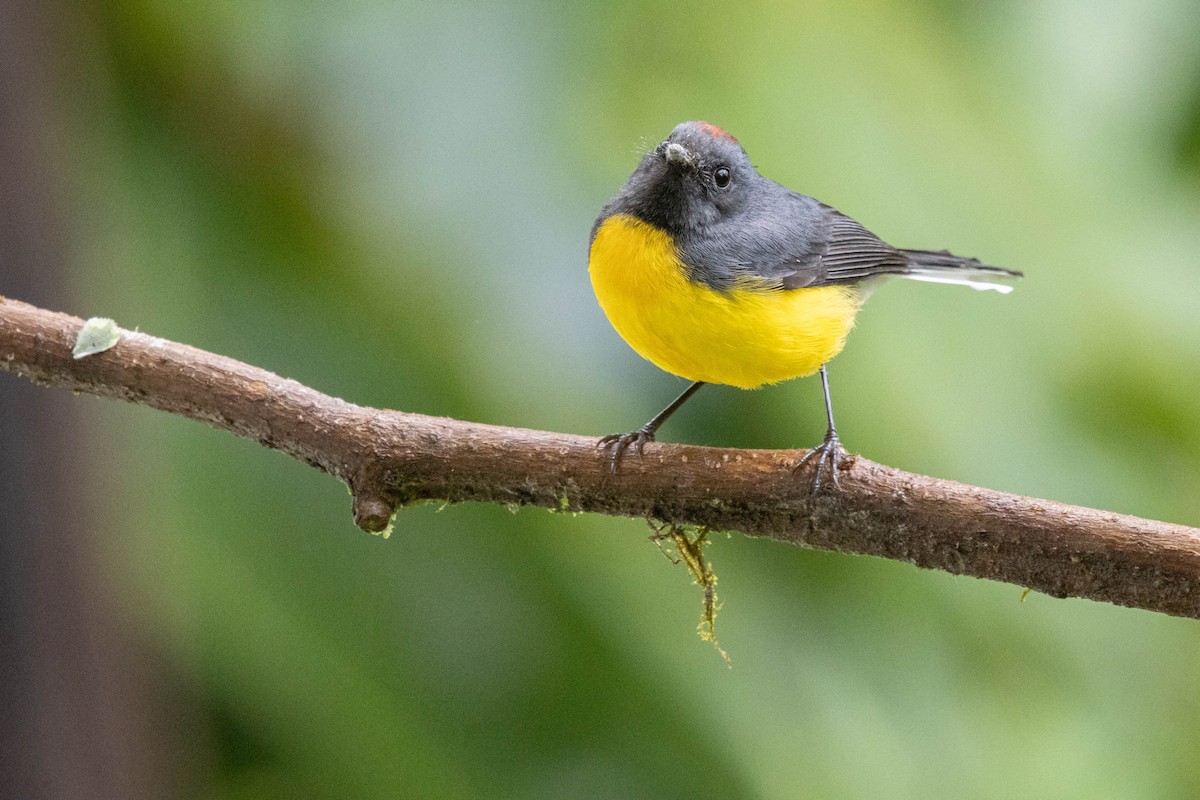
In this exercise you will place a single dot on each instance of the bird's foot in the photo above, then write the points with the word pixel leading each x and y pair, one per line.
pixel 618 443
pixel 827 456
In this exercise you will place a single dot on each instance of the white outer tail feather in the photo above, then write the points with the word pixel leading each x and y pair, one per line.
pixel 979 280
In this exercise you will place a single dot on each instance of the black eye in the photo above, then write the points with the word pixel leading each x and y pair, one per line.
pixel 721 176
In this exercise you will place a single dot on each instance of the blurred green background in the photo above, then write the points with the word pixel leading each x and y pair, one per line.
pixel 390 202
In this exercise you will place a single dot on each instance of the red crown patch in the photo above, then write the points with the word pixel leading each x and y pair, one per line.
pixel 720 133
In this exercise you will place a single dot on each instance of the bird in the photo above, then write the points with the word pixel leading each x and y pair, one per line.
pixel 717 274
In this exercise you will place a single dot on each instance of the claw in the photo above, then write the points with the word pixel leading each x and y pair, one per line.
pixel 828 455
pixel 618 443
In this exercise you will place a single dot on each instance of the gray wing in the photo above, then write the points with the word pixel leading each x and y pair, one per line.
pixel 790 241
pixel 843 251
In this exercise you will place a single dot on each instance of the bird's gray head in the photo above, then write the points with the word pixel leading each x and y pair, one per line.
pixel 697 177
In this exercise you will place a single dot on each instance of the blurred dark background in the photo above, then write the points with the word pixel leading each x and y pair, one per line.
pixel 390 202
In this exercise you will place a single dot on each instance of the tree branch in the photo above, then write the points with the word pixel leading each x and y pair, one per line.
pixel 390 459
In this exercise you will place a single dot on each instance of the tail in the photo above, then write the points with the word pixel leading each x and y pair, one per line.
pixel 939 266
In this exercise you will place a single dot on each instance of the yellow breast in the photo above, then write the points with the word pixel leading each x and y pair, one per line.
pixel 742 337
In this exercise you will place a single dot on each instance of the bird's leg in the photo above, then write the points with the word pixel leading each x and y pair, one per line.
pixel 618 443
pixel 828 454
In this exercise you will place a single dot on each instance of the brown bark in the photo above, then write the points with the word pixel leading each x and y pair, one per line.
pixel 390 458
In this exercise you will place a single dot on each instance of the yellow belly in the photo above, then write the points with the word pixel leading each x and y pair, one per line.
pixel 743 337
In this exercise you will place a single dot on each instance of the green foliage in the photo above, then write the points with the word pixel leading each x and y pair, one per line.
pixel 391 202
